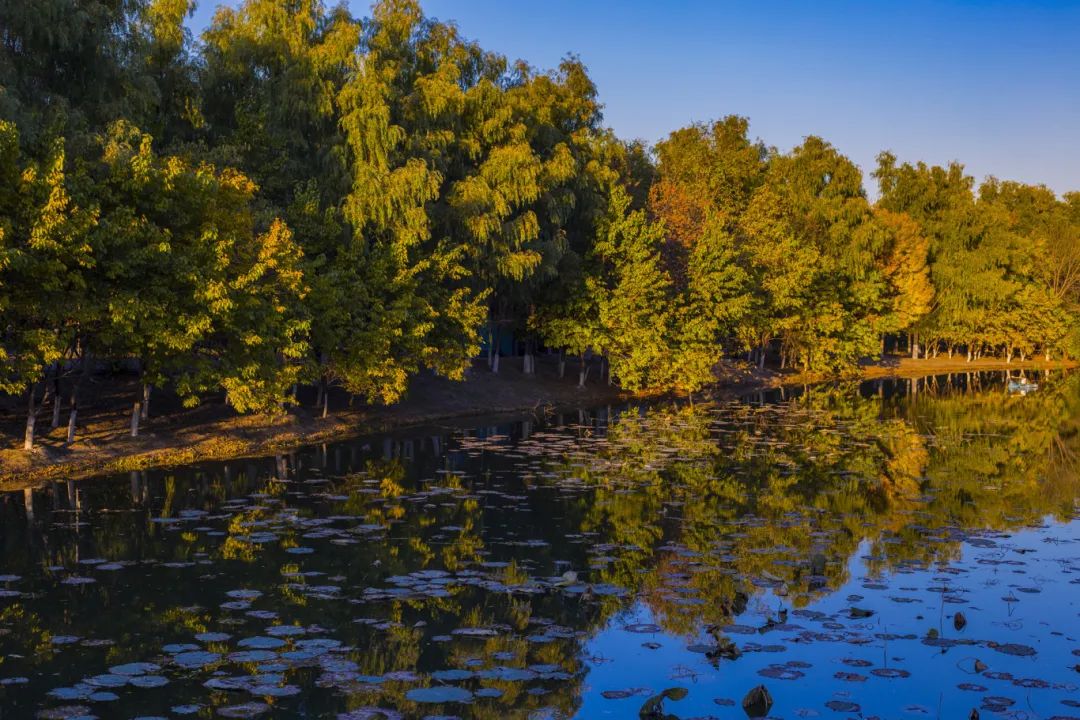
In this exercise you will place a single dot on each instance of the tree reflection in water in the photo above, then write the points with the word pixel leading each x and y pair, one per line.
pixel 484 564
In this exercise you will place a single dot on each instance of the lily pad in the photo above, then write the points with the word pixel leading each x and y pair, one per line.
pixel 247 710
pixel 262 642
pixel 436 695
pixel 138 668
pixel 196 658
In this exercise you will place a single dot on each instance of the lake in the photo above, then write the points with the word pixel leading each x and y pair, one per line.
pixel 893 549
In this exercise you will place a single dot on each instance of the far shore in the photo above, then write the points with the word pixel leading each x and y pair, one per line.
pixel 178 436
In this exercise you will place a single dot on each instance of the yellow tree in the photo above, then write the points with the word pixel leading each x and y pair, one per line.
pixel 903 260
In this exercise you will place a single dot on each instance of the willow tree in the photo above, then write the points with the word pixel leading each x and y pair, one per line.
pixel 556 114
pixel 398 290
pixel 69 67
pixel 169 66
pixel 511 148
pixel 272 72
pixel 562 300
pixel 469 173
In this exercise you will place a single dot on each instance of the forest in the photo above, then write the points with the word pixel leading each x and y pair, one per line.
pixel 302 197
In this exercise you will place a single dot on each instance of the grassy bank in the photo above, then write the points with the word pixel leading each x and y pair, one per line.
pixel 177 436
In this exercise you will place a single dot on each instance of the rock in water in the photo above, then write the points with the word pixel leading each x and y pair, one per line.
pixel 959 621
pixel 757 702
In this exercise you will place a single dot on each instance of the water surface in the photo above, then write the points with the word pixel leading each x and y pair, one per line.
pixel 904 549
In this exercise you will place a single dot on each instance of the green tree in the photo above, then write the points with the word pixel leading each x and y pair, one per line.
pixel 904 262
pixel 44 267
pixel 808 234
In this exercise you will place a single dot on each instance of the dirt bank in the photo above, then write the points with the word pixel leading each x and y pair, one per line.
pixel 175 435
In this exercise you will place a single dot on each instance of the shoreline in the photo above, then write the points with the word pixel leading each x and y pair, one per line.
pixel 173 440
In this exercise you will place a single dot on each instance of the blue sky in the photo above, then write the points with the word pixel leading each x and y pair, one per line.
pixel 995 85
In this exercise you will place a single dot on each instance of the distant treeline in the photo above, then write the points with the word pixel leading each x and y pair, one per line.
pixel 299 196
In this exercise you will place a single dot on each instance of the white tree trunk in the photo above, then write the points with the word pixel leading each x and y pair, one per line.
pixel 56 403
pixel 72 418
pixel 31 419
pixel 136 413
pixel 144 413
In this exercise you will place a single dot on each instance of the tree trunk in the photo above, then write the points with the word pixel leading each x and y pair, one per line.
pixel 562 364
pixel 761 358
pixel 31 418
pixel 72 418
pixel 87 364
pixel 136 413
pixel 495 363
pixel 325 399
pixel 913 343
pixel 319 393
pixel 582 372
pixel 56 401
pixel 145 411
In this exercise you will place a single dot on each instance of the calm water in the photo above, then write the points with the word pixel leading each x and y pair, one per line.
pixel 908 551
